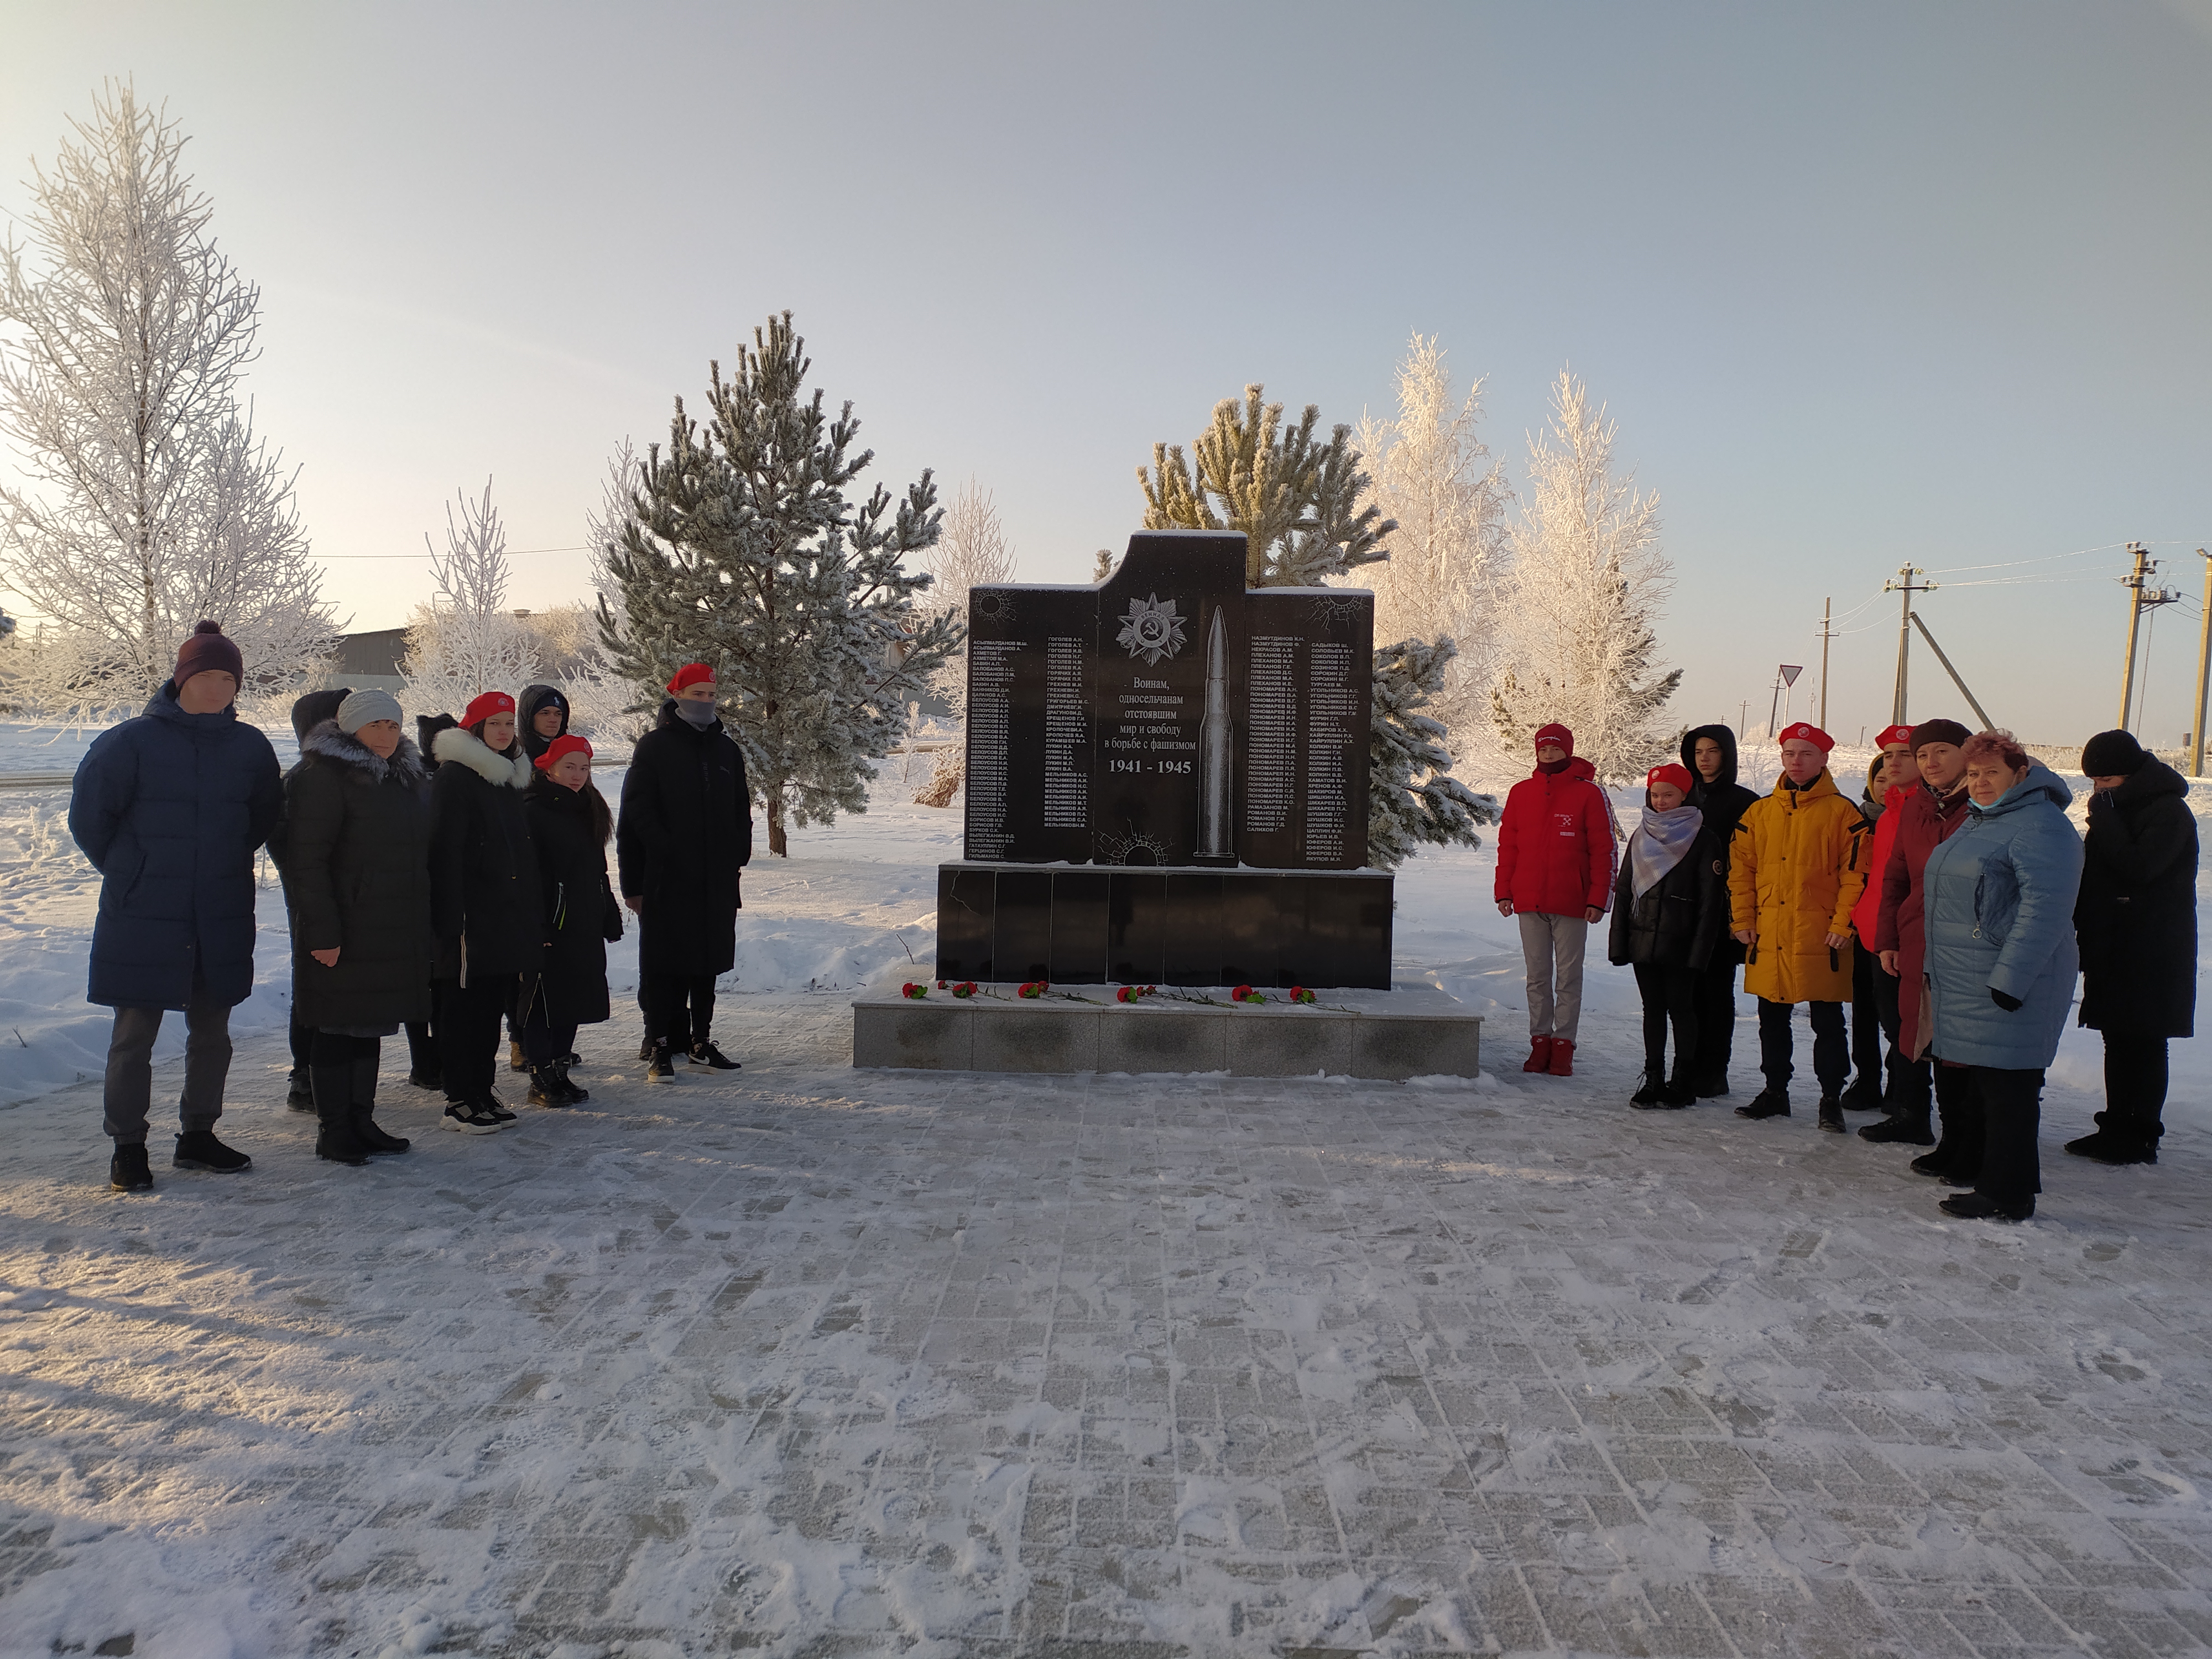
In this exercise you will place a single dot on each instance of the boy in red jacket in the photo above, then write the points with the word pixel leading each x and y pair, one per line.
pixel 1555 852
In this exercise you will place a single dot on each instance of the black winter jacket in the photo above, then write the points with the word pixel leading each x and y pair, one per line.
pixel 356 869
pixel 581 914
pixel 685 831
pixel 1680 917
pixel 1723 801
pixel 2135 915
pixel 483 867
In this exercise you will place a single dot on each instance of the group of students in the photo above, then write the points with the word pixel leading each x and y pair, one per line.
pixel 1952 909
pixel 437 895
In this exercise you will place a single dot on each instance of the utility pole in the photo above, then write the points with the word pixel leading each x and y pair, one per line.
pixel 1903 584
pixel 2141 597
pixel 1743 711
pixel 1827 633
pixel 2203 662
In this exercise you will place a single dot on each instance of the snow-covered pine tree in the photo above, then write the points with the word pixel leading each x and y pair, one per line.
pixel 1299 503
pixel 1435 480
pixel 468 642
pixel 1586 583
pixel 152 503
pixel 746 553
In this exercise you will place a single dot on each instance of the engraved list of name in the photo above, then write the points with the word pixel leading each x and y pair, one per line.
pixel 990 677
pixel 1067 735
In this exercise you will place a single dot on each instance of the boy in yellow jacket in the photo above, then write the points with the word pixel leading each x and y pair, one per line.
pixel 1796 866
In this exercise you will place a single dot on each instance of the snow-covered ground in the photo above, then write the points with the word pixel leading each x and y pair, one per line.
pixel 808 1360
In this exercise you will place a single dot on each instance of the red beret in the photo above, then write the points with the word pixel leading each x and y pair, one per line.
pixel 1673 772
pixel 692 673
pixel 490 703
pixel 1557 734
pixel 567 744
pixel 1805 731
pixel 1890 735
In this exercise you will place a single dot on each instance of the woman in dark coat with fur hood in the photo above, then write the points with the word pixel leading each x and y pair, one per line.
pixel 2135 918
pixel 1709 752
pixel 571 826
pixel 357 871
pixel 1670 911
pixel 485 905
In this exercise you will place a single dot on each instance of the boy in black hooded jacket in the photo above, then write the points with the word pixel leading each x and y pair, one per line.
pixel 1709 753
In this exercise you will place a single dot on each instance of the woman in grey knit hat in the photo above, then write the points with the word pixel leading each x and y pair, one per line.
pixel 357 859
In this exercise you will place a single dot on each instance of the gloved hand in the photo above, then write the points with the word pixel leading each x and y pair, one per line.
pixel 2011 1004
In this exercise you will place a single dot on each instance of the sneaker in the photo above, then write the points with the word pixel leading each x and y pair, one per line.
pixel 492 1104
pixel 1972 1207
pixel 429 1081
pixel 127 1172
pixel 1563 1058
pixel 470 1119
pixel 198 1149
pixel 299 1094
pixel 1832 1115
pixel 706 1053
pixel 1540 1056
pixel 663 1068
pixel 1770 1103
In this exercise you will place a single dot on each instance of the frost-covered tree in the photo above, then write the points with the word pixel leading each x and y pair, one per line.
pixel 1587 584
pixel 1435 480
pixel 1299 504
pixel 1296 499
pixel 971 548
pixel 151 501
pixel 466 641
pixel 603 524
pixel 745 552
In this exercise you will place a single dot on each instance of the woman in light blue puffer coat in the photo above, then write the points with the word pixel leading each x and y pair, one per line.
pixel 2002 960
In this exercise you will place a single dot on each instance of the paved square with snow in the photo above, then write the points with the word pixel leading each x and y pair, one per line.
pixel 811 1360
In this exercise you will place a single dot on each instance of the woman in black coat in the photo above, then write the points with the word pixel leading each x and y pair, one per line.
pixel 485 901
pixel 1670 907
pixel 571 826
pixel 357 870
pixel 2135 921
pixel 685 831
pixel 1708 753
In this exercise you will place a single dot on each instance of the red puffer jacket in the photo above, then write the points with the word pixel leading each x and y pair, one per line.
pixel 1555 844
pixel 1925 823
pixel 1866 912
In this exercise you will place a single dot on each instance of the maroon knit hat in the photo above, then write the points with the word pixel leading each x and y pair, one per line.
pixel 208 649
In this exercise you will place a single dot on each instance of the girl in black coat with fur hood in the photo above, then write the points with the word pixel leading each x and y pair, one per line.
pixel 485 904
pixel 1670 909
pixel 357 878
pixel 571 826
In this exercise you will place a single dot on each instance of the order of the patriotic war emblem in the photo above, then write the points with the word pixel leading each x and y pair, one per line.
pixel 1151 630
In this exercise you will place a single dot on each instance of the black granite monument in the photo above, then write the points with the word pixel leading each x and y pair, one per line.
pixel 1167 780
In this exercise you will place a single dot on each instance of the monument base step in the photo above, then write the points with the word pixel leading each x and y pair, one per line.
pixel 1412 1030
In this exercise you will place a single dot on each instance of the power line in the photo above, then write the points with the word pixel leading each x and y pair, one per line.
pixel 512 552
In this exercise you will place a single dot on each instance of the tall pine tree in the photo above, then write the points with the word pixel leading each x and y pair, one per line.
pixel 1299 503
pixel 744 552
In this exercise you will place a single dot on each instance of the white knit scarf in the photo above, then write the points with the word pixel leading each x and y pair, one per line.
pixel 1659 844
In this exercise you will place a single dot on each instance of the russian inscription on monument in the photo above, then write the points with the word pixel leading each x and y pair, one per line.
pixel 1168 716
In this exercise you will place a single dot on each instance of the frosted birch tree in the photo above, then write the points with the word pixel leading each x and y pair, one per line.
pixel 1580 642
pixel 1301 504
pixel 1434 479
pixel 745 552
pixel 971 549
pixel 151 503
pixel 466 641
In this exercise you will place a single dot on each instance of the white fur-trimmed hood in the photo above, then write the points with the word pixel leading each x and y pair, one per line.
pixel 457 743
pixel 327 741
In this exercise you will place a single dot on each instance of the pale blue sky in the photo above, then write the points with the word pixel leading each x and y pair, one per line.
pixel 1861 283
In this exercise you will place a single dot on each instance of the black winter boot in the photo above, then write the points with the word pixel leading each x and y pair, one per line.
pixel 298 1095
pixel 127 1172
pixel 1910 1127
pixel 1832 1115
pixel 1771 1103
pixel 663 1069
pixel 1864 1095
pixel 1679 1092
pixel 1653 1091
pixel 576 1095
pixel 515 1062
pixel 1713 1085
pixel 1972 1207
pixel 198 1149
pixel 373 1140
pixel 545 1087
pixel 335 1140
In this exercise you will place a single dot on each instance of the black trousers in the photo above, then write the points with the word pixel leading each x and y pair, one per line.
pixel 543 1043
pixel 468 1032
pixel 679 1008
pixel 1714 1001
pixel 1961 1114
pixel 2012 1111
pixel 1908 1090
pixel 2135 1087
pixel 1670 997
pixel 1832 1062
pixel 1869 1028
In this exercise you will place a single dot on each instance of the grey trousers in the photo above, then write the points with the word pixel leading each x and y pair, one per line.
pixel 130 1091
pixel 1552 948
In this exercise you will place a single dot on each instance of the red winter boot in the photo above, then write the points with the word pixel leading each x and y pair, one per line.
pixel 1540 1055
pixel 1563 1058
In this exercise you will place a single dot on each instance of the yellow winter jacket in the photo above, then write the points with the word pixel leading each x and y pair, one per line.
pixel 1796 866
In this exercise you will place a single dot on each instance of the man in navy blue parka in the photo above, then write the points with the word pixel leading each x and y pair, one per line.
pixel 169 808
